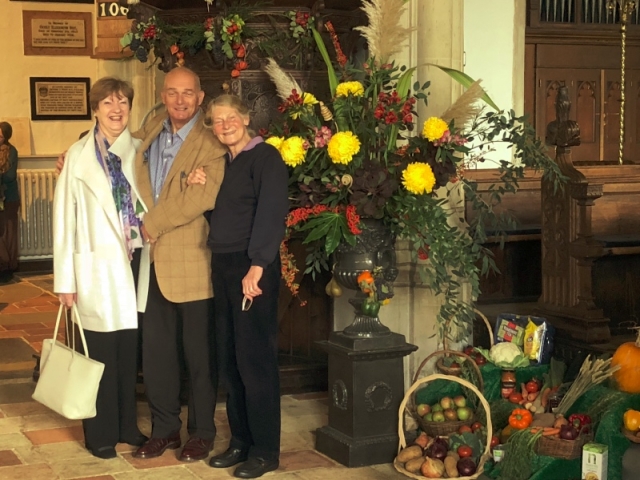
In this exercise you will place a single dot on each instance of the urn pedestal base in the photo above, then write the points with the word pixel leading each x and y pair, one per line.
pixel 366 386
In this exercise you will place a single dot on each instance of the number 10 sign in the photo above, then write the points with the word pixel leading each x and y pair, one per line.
pixel 112 9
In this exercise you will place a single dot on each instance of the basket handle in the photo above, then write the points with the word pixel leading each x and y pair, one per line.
pixel 437 376
pixel 449 352
pixel 486 322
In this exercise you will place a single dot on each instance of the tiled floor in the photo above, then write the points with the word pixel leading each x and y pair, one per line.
pixel 37 444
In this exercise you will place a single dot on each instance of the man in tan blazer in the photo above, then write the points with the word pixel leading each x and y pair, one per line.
pixel 179 314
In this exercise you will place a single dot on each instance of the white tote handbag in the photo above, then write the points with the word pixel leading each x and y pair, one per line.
pixel 69 380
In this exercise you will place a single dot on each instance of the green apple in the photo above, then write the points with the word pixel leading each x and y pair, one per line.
pixel 446 403
pixel 436 408
pixel 438 417
pixel 460 401
pixel 423 409
pixel 428 417
pixel 464 413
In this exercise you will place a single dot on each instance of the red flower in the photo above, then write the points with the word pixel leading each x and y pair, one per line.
pixel 423 253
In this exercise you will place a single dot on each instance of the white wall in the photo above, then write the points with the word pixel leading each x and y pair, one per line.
pixel 494 52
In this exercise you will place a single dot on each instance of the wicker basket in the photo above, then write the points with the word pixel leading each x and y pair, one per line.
pixel 486 455
pixel 442 428
pixel 559 448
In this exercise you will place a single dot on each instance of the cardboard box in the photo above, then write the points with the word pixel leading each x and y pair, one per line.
pixel 595 458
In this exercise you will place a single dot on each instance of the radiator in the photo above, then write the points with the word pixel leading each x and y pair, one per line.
pixel 36 205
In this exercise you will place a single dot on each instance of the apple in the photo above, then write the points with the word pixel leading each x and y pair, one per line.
pixel 446 403
pixel 476 426
pixel 460 401
pixel 450 414
pixel 468 350
pixel 436 408
pixel 428 417
pixel 454 365
pixel 438 417
pixel 423 409
pixel 464 413
pixel 495 441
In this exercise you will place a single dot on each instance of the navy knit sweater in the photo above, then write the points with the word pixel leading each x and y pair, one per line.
pixel 251 206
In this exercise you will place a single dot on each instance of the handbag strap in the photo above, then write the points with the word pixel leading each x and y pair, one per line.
pixel 77 321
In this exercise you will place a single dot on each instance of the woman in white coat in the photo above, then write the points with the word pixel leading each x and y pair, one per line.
pixel 99 257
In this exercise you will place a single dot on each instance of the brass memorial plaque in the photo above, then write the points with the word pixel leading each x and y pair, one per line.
pixel 63 33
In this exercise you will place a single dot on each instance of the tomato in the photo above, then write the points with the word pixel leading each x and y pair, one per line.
pixel 468 350
pixel 465 451
pixel 516 397
pixel 465 428
pixel 476 426
pixel 480 360
pixel 532 386
pixel 495 440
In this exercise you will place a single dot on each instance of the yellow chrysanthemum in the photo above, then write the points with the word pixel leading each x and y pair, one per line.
pixel 343 146
pixel 418 178
pixel 293 151
pixel 275 141
pixel 309 99
pixel 434 128
pixel 345 88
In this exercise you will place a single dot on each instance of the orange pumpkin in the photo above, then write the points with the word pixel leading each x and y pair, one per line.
pixel 627 356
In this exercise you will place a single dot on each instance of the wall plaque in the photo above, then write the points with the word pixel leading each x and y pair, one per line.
pixel 57 33
pixel 60 98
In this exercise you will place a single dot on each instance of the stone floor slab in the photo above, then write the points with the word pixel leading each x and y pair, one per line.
pixel 16 393
pixel 8 458
pixel 30 472
pixel 303 460
pixel 55 435
pixel 14 350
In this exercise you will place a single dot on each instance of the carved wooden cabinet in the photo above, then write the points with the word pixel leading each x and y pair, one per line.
pixel 577 44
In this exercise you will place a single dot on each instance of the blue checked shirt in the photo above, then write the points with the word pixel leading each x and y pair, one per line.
pixel 163 151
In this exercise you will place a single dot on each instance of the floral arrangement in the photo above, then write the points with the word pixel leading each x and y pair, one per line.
pixel 224 35
pixel 362 154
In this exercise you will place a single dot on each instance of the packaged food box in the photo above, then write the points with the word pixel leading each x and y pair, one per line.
pixel 595 457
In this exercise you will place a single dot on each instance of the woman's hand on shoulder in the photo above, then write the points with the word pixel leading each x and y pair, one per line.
pixel 60 162
pixel 68 299
pixel 197 177
pixel 250 281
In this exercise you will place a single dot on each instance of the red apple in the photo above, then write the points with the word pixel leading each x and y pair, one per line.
pixel 450 414
pixel 460 401
pixel 423 409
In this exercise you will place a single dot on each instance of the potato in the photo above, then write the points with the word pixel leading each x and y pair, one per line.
pixel 450 466
pixel 413 466
pixel 409 453
pixel 543 420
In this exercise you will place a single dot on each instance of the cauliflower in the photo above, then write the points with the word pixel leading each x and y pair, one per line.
pixel 505 353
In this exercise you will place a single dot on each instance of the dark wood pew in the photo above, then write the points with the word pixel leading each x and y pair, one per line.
pixel 517 254
pixel 594 219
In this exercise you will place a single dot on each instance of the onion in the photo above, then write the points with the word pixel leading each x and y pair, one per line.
pixel 437 450
pixel 466 467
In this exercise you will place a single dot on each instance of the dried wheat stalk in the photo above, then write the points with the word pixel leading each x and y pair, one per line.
pixel 591 374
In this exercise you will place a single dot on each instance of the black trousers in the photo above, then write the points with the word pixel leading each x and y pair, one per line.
pixel 171 331
pixel 248 354
pixel 116 419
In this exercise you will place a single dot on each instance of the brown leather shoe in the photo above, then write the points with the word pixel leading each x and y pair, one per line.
pixel 196 448
pixel 156 446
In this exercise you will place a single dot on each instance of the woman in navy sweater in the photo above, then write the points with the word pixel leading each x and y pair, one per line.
pixel 247 226
pixel 9 185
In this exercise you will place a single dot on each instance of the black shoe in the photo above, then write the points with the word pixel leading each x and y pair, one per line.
pixel 255 467
pixel 231 457
pixel 136 441
pixel 104 452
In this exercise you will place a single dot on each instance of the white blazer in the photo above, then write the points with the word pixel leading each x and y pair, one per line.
pixel 89 253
